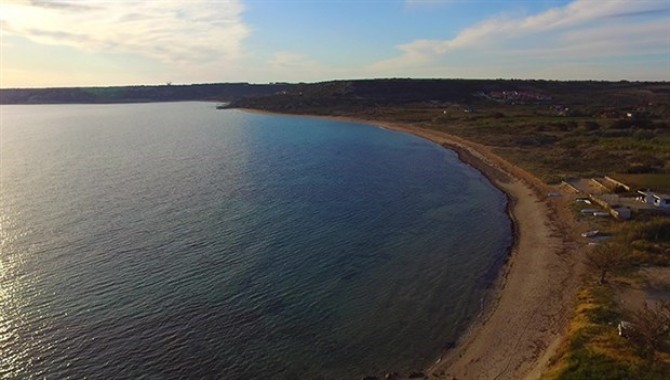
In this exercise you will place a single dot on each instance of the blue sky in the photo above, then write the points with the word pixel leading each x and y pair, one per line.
pixel 117 42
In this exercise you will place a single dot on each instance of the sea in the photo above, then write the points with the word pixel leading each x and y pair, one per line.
pixel 178 241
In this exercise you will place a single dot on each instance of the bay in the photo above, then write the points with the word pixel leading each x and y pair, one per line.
pixel 174 240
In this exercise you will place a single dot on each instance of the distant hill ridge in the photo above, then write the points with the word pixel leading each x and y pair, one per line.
pixel 137 94
pixel 347 94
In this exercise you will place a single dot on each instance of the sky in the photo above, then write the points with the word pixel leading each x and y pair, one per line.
pixel 57 43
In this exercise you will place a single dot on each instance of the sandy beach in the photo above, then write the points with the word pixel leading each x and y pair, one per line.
pixel 523 325
pixel 527 314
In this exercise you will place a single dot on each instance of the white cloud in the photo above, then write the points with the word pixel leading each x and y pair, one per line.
pixel 609 41
pixel 561 28
pixel 590 71
pixel 292 66
pixel 170 31
pixel 285 60
pixel 429 3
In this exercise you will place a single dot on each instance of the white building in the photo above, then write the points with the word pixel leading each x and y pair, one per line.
pixel 662 200
pixel 656 199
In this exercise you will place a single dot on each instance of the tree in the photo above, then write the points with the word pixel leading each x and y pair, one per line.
pixel 650 328
pixel 605 259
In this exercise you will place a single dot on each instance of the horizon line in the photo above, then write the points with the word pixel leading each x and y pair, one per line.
pixel 168 84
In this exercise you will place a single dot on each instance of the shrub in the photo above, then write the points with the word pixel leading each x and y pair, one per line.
pixel 657 230
pixel 591 125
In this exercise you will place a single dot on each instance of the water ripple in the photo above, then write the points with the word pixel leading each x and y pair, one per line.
pixel 176 241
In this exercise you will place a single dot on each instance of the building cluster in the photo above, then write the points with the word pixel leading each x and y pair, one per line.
pixel 515 97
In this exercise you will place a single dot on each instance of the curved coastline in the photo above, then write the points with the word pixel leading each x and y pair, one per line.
pixel 523 321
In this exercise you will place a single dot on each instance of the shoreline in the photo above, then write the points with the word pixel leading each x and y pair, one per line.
pixel 526 311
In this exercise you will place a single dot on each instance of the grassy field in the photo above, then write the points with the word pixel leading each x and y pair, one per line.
pixel 594 349
pixel 549 145
pixel 655 181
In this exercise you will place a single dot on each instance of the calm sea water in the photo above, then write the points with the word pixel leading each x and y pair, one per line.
pixel 160 241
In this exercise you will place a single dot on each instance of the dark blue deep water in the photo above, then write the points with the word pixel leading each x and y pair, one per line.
pixel 161 241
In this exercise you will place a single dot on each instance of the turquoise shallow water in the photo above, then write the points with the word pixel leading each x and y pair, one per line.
pixel 177 241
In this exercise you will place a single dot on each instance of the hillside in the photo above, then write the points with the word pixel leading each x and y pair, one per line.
pixel 136 94
pixel 348 96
